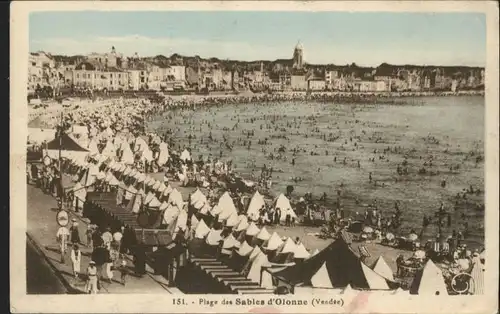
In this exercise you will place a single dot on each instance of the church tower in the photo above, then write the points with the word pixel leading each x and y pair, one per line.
pixel 298 56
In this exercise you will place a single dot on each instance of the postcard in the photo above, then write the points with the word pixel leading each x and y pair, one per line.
pixel 254 157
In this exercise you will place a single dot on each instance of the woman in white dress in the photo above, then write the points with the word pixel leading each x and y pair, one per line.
pixel 76 258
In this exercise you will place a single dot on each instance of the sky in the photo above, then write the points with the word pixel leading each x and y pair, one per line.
pixel 367 38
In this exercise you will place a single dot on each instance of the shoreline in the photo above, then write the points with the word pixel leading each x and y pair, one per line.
pixel 191 100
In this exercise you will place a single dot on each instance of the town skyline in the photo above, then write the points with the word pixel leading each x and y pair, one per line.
pixel 271 60
pixel 367 39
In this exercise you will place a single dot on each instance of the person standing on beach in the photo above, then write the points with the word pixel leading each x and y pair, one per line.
pixel 91 286
pixel 62 237
pixel 75 234
pixel 76 258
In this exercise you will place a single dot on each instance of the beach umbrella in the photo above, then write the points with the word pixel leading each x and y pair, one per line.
pixel 419 254
pixel 367 229
pixel 413 237
pixel 464 264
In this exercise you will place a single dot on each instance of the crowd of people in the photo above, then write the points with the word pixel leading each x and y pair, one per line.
pixel 131 117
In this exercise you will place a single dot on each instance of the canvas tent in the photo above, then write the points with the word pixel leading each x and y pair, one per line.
pixel 381 268
pixel 69 146
pixel 335 267
pixel 255 205
pixel 38 135
pixel 283 203
pixel 429 281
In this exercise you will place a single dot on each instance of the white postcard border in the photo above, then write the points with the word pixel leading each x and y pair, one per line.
pixel 362 302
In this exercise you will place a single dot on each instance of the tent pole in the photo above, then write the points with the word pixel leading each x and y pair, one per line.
pixel 60 149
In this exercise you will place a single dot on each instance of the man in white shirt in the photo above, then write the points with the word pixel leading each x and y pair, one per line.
pixel 62 237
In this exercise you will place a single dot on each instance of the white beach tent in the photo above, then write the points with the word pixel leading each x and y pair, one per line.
pixel 288 246
pixel 252 230
pixel 245 249
pixel 127 155
pixel 232 220
pixel 194 222
pixel 163 156
pixel 154 203
pixel 227 206
pixel 93 147
pixel 283 203
pixel 429 281
pixel 109 150
pixel 179 224
pixel 263 234
pixel 138 201
pixel 321 279
pixel 255 271
pixel 140 144
pixel 273 243
pixel 242 225
pixel 175 198
pixel 205 209
pixel 171 212
pixel 381 268
pixel 214 237
pixel 230 242
pixel 301 252
pixel 147 155
pixel 256 203
pixel 201 230
pixel 198 199
pixel 215 210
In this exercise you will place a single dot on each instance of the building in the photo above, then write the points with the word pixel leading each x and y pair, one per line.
pixel 42 71
pixel 369 86
pixel 298 56
pixel 138 77
pixel 330 76
pixel 111 59
pixel 298 82
pixel 316 85
pixel 339 84
pixel 178 71
pixel 89 75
